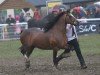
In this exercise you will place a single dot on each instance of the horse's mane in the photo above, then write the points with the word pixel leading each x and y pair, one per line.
pixel 46 23
pixel 52 22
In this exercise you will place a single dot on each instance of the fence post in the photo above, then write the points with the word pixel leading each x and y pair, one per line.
pixel 3 36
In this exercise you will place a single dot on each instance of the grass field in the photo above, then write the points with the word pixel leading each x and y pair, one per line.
pixel 89 44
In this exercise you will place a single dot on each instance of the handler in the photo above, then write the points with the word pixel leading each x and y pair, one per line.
pixel 73 41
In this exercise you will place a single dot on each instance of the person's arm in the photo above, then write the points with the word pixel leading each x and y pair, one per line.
pixel 75 32
pixel 68 27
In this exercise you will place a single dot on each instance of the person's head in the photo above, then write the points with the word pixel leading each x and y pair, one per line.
pixel 55 11
pixel 17 17
pixel 22 14
pixel 61 10
pixel 36 9
pixel 9 16
pixel 28 14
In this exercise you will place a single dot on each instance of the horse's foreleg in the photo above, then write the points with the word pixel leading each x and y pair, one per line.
pixel 61 56
pixel 55 57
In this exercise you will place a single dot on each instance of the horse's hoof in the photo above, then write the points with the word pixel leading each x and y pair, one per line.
pixel 27 66
pixel 26 69
pixel 56 65
pixel 83 67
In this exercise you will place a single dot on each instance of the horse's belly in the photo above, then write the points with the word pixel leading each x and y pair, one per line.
pixel 42 43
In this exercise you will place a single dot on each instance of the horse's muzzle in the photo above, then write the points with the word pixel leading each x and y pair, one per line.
pixel 76 23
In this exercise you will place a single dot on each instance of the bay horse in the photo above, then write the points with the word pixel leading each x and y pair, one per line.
pixel 54 39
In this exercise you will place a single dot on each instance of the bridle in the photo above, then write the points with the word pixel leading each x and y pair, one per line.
pixel 74 20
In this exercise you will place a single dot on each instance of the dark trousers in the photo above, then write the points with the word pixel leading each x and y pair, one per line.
pixel 76 46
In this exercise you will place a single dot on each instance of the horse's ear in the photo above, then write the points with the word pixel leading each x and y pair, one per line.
pixel 68 11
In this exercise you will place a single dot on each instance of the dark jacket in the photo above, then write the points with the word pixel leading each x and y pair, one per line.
pixel 9 21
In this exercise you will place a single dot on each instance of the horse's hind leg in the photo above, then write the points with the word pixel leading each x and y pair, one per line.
pixel 26 51
pixel 27 55
pixel 27 61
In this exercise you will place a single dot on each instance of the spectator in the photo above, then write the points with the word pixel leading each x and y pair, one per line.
pixel 17 26
pixel 10 20
pixel 17 18
pixel 37 15
pixel 97 14
pixel 28 16
pixel 22 17
pixel 2 20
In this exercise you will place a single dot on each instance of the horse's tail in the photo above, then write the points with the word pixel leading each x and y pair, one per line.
pixel 22 49
pixel 21 31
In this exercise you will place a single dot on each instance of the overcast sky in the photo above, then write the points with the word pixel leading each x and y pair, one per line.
pixel 1 1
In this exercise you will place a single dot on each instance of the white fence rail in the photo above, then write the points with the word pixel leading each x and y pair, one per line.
pixel 9 32
pixel 92 19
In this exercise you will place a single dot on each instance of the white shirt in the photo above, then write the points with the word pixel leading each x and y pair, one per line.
pixel 69 34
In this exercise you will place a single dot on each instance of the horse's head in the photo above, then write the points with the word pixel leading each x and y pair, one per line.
pixel 71 19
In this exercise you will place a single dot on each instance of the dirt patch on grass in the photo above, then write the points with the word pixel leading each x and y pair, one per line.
pixel 44 66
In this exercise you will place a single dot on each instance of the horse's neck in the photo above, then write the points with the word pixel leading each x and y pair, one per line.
pixel 60 26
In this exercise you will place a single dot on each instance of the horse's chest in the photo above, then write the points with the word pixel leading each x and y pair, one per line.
pixel 58 41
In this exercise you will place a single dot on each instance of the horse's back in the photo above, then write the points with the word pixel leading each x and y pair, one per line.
pixel 35 37
pixel 31 31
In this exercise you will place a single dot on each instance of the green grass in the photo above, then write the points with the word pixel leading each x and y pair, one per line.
pixel 89 45
pixel 9 48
